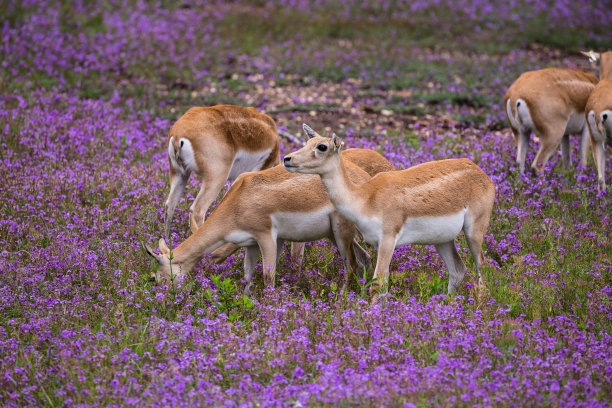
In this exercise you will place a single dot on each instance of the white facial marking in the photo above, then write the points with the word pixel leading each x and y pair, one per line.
pixel 303 227
pixel 431 230
pixel 247 161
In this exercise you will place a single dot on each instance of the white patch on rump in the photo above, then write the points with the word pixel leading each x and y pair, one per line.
pixel 185 160
pixel 247 161
pixel 303 227
pixel 431 230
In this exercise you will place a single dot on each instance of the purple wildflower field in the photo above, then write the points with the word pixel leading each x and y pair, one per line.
pixel 88 92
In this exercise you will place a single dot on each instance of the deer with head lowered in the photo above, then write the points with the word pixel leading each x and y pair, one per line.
pixel 550 101
pixel 217 143
pixel 260 211
pixel 598 113
pixel 426 204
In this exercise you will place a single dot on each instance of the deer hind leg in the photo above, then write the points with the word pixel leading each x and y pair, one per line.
pixel 454 264
pixel 178 182
pixel 213 180
pixel 565 151
pixel 250 260
pixel 521 150
pixel 585 144
pixel 550 137
pixel 600 164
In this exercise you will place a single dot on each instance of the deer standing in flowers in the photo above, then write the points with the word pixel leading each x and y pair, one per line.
pixel 426 204
pixel 598 113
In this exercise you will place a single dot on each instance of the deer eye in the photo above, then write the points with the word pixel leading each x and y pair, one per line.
pixel 322 147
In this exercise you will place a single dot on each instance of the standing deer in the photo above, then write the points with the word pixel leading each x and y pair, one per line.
pixel 218 144
pixel 260 211
pixel 599 114
pixel 550 101
pixel 426 204
pixel 368 160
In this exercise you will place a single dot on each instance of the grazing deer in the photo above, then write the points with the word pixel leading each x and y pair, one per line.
pixel 598 113
pixel 550 101
pixel 218 144
pixel 260 211
pixel 368 160
pixel 426 204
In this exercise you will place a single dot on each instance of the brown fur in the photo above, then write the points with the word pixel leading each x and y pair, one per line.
pixel 381 206
pixel 600 101
pixel 551 95
pixel 605 65
pixel 216 134
pixel 369 160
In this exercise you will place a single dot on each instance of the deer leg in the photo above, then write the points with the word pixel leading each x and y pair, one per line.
pixel 585 143
pixel 549 141
pixel 381 273
pixel 297 254
pixel 267 245
pixel 343 233
pixel 454 264
pixel 212 183
pixel 565 151
pixel 250 260
pixel 521 150
pixel 600 164
pixel 178 181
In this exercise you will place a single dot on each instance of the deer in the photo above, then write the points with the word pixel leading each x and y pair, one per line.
pixel 425 204
pixel 370 161
pixel 260 211
pixel 598 113
pixel 551 102
pixel 217 143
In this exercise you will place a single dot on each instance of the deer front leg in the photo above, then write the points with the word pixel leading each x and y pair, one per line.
pixel 565 152
pixel 267 245
pixel 297 254
pixel 178 181
pixel 381 273
pixel 454 264
pixel 600 164
pixel 585 143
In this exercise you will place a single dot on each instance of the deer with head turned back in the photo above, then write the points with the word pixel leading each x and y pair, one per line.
pixel 598 114
pixel 217 143
pixel 426 204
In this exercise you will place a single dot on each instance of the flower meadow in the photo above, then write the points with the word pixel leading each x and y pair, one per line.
pixel 88 92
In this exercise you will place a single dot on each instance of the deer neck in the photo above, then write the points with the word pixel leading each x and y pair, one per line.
pixel 205 240
pixel 342 192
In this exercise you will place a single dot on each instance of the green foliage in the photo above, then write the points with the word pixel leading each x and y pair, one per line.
pixel 225 299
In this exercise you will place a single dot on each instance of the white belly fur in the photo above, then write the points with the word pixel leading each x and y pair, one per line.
pixel 240 238
pixel 431 230
pixel 247 161
pixel 303 227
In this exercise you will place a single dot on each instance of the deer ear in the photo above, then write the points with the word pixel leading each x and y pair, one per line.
pixel 309 132
pixel 163 247
pixel 591 55
pixel 150 252
pixel 337 142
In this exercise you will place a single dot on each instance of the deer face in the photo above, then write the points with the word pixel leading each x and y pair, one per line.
pixel 315 156
pixel 168 270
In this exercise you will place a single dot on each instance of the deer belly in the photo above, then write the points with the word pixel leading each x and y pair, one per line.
pixel 302 227
pixel 247 161
pixel 240 238
pixel 431 230
pixel 575 123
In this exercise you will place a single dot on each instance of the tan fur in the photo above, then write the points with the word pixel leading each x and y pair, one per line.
pixel 600 102
pixel 248 206
pixel 216 135
pixel 552 95
pixel 381 207
pixel 369 160
pixel 605 65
